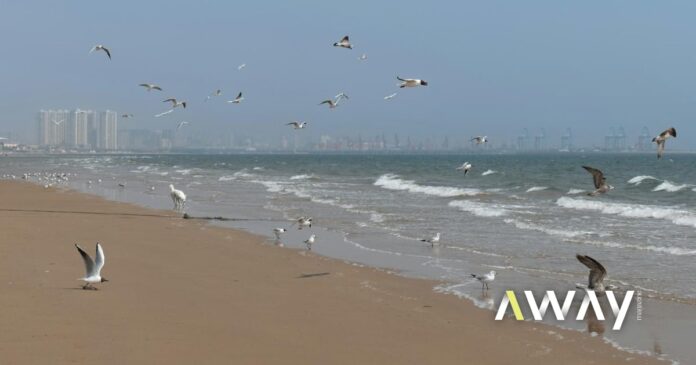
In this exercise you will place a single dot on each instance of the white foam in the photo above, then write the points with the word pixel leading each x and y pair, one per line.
pixel 550 231
pixel 670 187
pixel 184 171
pixel 676 216
pixel 488 172
pixel 301 177
pixel 536 188
pixel 636 180
pixel 393 182
pixel 478 209
pixel 575 191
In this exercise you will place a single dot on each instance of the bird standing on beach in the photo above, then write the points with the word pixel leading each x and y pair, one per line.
pixel 99 47
pixel 150 87
pixel 278 231
pixel 178 197
pixel 411 82
pixel 92 268
pixel 597 273
pixel 600 182
pixel 662 138
pixel 434 240
pixel 297 125
pixel 344 43
pixel 485 278
pixel 466 166
pixel 310 241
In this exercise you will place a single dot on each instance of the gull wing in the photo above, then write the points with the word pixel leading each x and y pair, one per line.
pixel 330 102
pixel 89 264
pixel 99 259
pixel 660 148
pixel 239 96
pixel 597 271
pixel 669 132
pixel 345 39
pixel 107 52
pixel 597 176
pixel 400 79
pixel 156 87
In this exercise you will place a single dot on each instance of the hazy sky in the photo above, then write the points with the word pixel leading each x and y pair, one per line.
pixel 493 67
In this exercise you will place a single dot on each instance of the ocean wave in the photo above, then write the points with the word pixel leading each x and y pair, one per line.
pixel 536 188
pixel 575 191
pixel 302 177
pixel 271 186
pixel 478 209
pixel 393 182
pixel 488 172
pixel 550 231
pixel 670 187
pixel 676 216
pixel 636 180
pixel 243 173
pixel 184 171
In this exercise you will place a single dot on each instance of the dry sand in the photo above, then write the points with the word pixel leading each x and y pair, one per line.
pixel 184 292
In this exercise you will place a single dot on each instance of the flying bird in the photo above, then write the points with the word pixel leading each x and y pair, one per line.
pixel 151 87
pixel 600 182
pixel 237 100
pixel 178 197
pixel 485 278
pixel 466 166
pixel 99 47
pixel 480 139
pixel 434 240
pixel 127 116
pixel 362 57
pixel 310 241
pixel 298 125
pixel 337 99
pixel 411 82
pixel 58 122
pixel 181 124
pixel 175 103
pixel 389 97
pixel 595 280
pixel 217 92
pixel 92 268
pixel 304 222
pixel 344 43
pixel 662 138
pixel 164 113
pixel 240 67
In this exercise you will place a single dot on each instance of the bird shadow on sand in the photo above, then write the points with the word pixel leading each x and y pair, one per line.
pixel 312 275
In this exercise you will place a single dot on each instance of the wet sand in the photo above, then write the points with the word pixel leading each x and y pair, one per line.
pixel 183 292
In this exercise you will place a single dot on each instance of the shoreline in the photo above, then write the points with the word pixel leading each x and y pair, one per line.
pixel 279 304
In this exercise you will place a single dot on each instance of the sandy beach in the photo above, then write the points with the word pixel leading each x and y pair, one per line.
pixel 183 292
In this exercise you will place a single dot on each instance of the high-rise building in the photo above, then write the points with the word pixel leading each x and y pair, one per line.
pixel 77 128
pixel 51 127
pixel 107 131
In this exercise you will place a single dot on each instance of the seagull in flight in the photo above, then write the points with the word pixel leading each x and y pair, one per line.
pixel 337 99
pixel 304 222
pixel 240 67
pixel 485 278
pixel 127 115
pixel 217 92
pixel 662 138
pixel 597 274
pixel 181 124
pixel 344 43
pixel 92 268
pixel 164 113
pixel 390 96
pixel 298 125
pixel 310 241
pixel 175 103
pixel 600 182
pixel 480 139
pixel 411 82
pixel 58 122
pixel 99 47
pixel 363 57
pixel 151 87
pixel 434 240
pixel 466 166
pixel 237 100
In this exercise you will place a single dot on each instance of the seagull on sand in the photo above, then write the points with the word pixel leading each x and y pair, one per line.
pixel 151 87
pixel 175 103
pixel 662 138
pixel 466 166
pixel 344 43
pixel 600 182
pixel 480 139
pixel 181 124
pixel 485 278
pixel 597 274
pixel 390 96
pixel 298 125
pixel 304 222
pixel 99 47
pixel 178 197
pixel 434 240
pixel 237 100
pixel 411 82
pixel 92 268
pixel 278 231
pixel 310 241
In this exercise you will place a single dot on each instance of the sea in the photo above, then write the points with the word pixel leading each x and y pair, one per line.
pixel 525 216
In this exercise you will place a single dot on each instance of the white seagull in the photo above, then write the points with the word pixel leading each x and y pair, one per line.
pixel 337 99
pixel 217 92
pixel 58 122
pixel 597 273
pixel 237 100
pixel 344 43
pixel 485 278
pixel 178 197
pixel 92 268
pixel 434 240
pixel 310 241
pixel 662 138
pixel 411 82
pixel 466 166
pixel 99 47
pixel 175 103
pixel 181 124
pixel 164 113
pixel 298 125
pixel 390 96
pixel 240 67
pixel 480 139
pixel 151 87
pixel 304 222
pixel 278 231
pixel 600 182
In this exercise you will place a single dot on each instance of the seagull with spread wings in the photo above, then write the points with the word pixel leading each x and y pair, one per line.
pixel 600 182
